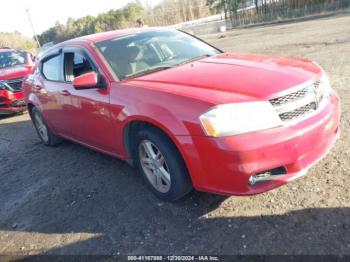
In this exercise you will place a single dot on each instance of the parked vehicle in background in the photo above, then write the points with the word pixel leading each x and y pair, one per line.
pixel 15 65
pixel 185 113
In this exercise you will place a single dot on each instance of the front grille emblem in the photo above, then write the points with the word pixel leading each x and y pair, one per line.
pixel 300 103
pixel 317 101
pixel 312 90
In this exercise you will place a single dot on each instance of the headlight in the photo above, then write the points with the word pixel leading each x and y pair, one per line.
pixel 239 118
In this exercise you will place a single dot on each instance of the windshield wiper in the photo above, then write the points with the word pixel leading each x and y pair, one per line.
pixel 148 71
pixel 194 59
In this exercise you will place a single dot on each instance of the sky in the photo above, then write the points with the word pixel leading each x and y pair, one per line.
pixel 45 13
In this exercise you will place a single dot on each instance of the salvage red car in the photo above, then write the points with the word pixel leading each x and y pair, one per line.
pixel 185 113
pixel 15 65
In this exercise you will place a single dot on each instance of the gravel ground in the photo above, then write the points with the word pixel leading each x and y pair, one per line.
pixel 72 200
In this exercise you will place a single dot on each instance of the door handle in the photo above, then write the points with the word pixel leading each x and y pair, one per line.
pixel 65 93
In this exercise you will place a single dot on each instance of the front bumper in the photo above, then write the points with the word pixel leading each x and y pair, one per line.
pixel 12 110
pixel 224 165
pixel 11 103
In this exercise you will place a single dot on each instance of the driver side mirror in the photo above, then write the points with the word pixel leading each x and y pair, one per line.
pixel 88 80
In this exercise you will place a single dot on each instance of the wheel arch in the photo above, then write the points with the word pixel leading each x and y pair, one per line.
pixel 30 106
pixel 134 125
pixel 33 101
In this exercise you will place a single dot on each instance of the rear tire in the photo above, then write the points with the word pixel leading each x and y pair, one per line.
pixel 44 132
pixel 161 165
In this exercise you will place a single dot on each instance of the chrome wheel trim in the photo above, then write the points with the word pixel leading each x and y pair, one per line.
pixel 154 166
pixel 41 127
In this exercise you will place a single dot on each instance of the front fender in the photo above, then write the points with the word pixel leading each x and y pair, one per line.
pixel 33 100
pixel 175 115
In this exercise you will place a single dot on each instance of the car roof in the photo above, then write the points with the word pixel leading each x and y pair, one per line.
pixel 114 34
pixel 99 37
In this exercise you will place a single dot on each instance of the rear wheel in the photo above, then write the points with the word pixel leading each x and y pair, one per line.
pixel 161 165
pixel 44 132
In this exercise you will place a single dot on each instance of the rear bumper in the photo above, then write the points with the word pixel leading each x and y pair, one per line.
pixel 224 165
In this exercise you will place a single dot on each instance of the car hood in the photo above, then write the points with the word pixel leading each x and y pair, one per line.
pixel 14 72
pixel 231 77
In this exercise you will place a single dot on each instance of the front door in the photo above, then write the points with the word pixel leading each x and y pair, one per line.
pixel 88 108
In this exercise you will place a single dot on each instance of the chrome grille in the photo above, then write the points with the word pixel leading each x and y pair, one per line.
pixel 15 84
pixel 289 98
pixel 301 111
pixel 299 104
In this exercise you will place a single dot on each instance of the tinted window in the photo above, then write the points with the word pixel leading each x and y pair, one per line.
pixel 142 52
pixel 81 65
pixel 75 64
pixel 52 68
pixel 12 58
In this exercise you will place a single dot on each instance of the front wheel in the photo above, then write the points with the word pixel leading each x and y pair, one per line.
pixel 44 132
pixel 161 165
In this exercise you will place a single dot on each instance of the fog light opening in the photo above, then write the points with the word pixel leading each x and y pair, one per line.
pixel 267 175
pixel 252 180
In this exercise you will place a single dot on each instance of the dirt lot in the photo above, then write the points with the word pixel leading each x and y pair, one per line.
pixel 72 200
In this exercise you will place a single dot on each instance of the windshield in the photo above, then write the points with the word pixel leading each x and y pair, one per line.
pixel 12 58
pixel 133 55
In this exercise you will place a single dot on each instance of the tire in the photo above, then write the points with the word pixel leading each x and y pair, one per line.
pixel 44 132
pixel 177 183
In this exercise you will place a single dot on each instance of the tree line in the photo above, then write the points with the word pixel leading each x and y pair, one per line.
pixel 166 13
pixel 169 12
pixel 17 41
pixel 233 8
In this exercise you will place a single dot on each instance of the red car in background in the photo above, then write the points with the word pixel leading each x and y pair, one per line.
pixel 15 65
pixel 185 113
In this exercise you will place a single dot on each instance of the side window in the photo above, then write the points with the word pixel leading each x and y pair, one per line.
pixel 51 68
pixel 75 64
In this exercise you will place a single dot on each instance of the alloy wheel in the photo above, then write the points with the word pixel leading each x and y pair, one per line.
pixel 41 127
pixel 154 166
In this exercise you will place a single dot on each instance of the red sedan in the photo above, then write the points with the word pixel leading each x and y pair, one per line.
pixel 185 113
pixel 15 65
